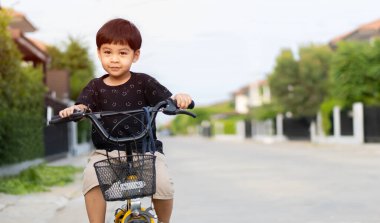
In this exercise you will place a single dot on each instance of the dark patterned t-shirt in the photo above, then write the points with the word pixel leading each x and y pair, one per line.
pixel 139 91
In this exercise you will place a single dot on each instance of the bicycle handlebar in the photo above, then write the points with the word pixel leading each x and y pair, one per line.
pixel 168 106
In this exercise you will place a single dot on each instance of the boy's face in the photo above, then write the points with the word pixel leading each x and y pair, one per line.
pixel 117 59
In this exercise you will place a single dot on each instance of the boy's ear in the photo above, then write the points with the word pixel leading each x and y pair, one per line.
pixel 136 56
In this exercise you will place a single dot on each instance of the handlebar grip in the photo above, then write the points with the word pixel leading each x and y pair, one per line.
pixel 190 106
pixel 58 120
pixel 76 116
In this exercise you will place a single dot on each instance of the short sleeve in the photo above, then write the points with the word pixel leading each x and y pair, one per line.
pixel 155 92
pixel 88 96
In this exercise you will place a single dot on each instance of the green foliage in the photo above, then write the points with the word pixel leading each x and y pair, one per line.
pixel 356 73
pixel 283 78
pixel 56 58
pixel 350 72
pixel 266 111
pixel 327 108
pixel 21 136
pixel 84 130
pixel 21 103
pixel 314 65
pixel 10 59
pixel 300 86
pixel 181 123
pixel 229 126
pixel 38 178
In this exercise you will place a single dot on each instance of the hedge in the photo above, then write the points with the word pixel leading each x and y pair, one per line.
pixel 21 103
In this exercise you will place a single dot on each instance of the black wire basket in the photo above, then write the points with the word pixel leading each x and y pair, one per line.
pixel 127 177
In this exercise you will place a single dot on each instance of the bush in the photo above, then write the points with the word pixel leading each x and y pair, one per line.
pixel 229 126
pixel 327 108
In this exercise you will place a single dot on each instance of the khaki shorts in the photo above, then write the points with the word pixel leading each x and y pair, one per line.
pixel 164 183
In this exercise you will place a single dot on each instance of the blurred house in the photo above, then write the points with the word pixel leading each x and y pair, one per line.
pixel 367 32
pixel 253 95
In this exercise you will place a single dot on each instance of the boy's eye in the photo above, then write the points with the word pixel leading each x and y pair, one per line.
pixel 107 52
pixel 123 53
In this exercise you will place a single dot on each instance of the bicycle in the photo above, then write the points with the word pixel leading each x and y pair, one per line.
pixel 131 177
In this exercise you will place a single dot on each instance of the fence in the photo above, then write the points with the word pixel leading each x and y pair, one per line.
pixel 56 137
pixel 348 127
pixel 296 128
pixel 371 124
pixel 358 125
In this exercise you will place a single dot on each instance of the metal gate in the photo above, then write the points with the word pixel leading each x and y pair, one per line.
pixel 56 137
pixel 56 140
pixel 248 128
pixel 371 124
pixel 297 128
pixel 346 123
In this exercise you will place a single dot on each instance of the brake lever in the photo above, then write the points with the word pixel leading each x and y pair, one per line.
pixel 170 109
pixel 184 112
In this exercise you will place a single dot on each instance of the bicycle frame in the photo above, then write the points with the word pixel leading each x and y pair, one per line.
pixel 132 211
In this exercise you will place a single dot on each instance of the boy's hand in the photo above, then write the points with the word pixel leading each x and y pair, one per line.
pixel 183 100
pixel 70 110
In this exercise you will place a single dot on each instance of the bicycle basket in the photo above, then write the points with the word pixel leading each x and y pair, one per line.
pixel 126 177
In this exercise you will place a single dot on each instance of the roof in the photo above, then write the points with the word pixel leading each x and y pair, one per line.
pixel 41 45
pixel 29 49
pixel 362 33
pixel 19 21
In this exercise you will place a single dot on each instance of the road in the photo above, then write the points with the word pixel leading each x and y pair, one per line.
pixel 242 181
pixel 224 181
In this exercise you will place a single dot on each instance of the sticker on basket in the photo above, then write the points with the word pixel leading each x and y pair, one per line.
pixel 132 185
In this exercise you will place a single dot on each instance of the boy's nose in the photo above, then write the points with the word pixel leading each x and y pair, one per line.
pixel 114 58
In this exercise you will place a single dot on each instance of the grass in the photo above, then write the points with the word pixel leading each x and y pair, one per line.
pixel 38 179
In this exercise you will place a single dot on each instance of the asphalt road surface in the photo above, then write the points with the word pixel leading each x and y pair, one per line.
pixel 229 181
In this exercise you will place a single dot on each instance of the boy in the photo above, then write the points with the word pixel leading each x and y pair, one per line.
pixel 118 42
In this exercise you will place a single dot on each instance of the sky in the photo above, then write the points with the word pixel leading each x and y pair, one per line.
pixel 207 48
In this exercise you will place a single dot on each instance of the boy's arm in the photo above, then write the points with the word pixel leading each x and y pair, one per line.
pixel 70 110
pixel 183 100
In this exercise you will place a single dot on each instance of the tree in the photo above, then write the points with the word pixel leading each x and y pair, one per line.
pixel 74 58
pixel 300 86
pixel 283 79
pixel 356 72
pixel 314 66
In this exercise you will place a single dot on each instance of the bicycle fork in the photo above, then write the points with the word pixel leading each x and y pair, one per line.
pixel 132 212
